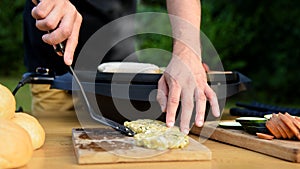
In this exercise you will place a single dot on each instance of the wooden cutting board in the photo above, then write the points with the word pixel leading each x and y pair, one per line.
pixel 284 149
pixel 105 145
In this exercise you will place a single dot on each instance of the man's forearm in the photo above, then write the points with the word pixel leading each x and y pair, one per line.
pixel 189 10
pixel 186 23
pixel 184 80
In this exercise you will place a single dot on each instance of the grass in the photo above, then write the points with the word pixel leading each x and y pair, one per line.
pixel 23 96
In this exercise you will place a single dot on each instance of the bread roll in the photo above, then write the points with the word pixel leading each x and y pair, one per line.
pixel 33 127
pixel 7 103
pixel 15 145
pixel 128 67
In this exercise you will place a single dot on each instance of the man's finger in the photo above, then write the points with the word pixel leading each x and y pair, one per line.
pixel 63 31
pixel 162 93
pixel 187 104
pixel 213 100
pixel 173 102
pixel 200 99
pixel 52 19
pixel 42 9
pixel 72 41
pixel 35 2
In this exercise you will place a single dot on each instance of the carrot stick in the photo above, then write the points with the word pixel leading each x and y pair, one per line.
pixel 264 136
pixel 297 118
pixel 275 121
pixel 273 129
pixel 296 122
pixel 286 129
pixel 290 124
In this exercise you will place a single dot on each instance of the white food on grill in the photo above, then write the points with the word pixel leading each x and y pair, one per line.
pixel 128 67
pixel 155 134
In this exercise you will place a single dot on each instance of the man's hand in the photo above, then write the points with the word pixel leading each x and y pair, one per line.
pixel 63 21
pixel 185 81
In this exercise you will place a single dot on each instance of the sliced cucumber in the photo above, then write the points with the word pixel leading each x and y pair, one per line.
pixel 251 119
pixel 231 125
pixel 268 116
pixel 254 129
pixel 257 124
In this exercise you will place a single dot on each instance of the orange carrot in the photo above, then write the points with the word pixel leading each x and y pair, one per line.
pixel 273 129
pixel 296 122
pixel 290 124
pixel 297 118
pixel 275 121
pixel 264 136
pixel 286 129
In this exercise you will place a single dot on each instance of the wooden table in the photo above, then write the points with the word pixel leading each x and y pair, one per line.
pixel 58 152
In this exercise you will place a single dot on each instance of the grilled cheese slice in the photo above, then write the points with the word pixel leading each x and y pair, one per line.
pixel 155 134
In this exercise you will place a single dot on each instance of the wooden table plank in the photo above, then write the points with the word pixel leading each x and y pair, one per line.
pixel 283 149
pixel 112 147
pixel 58 152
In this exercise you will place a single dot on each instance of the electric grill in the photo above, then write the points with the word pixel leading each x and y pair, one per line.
pixel 126 96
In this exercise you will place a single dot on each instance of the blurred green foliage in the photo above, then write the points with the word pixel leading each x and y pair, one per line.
pixel 154 41
pixel 258 38
pixel 11 45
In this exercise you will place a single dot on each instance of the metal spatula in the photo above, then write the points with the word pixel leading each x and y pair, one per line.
pixel 97 117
